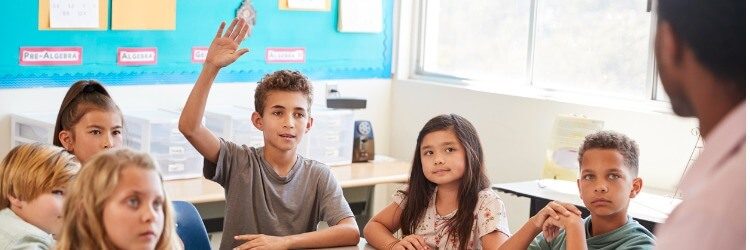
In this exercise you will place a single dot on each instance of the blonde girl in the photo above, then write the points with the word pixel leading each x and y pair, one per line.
pixel 118 202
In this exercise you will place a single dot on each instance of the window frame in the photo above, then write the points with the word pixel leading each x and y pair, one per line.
pixel 418 72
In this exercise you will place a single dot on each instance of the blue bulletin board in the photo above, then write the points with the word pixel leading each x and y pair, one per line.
pixel 329 53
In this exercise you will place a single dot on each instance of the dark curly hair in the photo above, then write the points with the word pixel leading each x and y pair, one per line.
pixel 627 147
pixel 282 80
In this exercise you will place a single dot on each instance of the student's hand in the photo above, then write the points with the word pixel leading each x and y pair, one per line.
pixel 411 242
pixel 261 241
pixel 563 222
pixel 550 232
pixel 223 50
pixel 554 210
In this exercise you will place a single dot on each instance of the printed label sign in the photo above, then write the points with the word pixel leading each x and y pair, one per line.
pixel 136 56
pixel 50 55
pixel 199 54
pixel 285 55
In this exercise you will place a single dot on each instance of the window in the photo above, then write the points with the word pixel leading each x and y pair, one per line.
pixel 483 40
pixel 593 46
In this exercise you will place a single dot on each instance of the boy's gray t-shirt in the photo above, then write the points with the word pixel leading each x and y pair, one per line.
pixel 259 201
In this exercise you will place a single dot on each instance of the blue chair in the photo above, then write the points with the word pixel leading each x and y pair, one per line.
pixel 190 227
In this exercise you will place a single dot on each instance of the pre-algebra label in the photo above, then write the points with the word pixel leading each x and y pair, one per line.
pixel 50 56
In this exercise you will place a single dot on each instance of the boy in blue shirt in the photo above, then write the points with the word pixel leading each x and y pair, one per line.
pixel 275 198
pixel 608 180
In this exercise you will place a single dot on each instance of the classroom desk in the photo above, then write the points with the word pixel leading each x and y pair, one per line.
pixel 357 179
pixel 361 246
pixel 647 208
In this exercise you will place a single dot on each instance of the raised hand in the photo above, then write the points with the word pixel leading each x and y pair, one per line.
pixel 224 48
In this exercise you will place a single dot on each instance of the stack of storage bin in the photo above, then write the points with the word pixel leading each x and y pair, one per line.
pixel 155 131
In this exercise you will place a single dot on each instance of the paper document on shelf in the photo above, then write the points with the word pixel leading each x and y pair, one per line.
pixel 74 14
pixel 144 14
pixel 364 16
pixel 568 133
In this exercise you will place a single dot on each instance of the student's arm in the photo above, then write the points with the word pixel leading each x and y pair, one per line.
pixel 523 238
pixel 493 240
pixel 345 233
pixel 222 52
pixel 379 231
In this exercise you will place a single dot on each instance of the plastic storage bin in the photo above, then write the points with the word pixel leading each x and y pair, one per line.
pixel 331 138
pixel 329 141
pixel 32 127
pixel 233 123
pixel 156 132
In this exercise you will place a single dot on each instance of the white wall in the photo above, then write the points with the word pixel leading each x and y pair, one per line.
pixel 516 131
pixel 377 91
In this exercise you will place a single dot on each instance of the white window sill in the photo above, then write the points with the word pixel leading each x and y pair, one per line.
pixel 580 98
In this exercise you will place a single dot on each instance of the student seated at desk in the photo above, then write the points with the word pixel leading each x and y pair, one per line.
pixel 33 178
pixel 118 202
pixel 274 197
pixel 448 174
pixel 88 122
pixel 608 180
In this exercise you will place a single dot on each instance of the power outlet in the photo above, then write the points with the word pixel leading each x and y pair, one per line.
pixel 332 90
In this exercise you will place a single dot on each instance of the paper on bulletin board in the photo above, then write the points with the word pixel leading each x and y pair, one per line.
pixel 144 14
pixel 567 136
pixel 74 14
pixel 44 16
pixel 306 5
pixel 361 16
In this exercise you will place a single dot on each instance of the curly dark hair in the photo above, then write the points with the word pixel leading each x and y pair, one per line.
pixel 282 80
pixel 627 147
